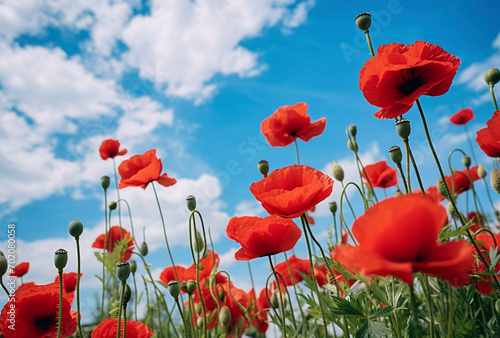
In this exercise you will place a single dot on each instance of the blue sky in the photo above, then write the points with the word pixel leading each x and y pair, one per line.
pixel 194 80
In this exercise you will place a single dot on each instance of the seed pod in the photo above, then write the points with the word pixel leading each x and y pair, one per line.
pixel 60 259
pixel 263 167
pixel 403 128
pixel 75 228
pixel 123 270
pixel 363 21
pixel 191 202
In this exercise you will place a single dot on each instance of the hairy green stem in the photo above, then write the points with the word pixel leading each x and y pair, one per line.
pixel 77 239
pixel 493 96
pixel 59 313
pixel 281 303
pixel 414 312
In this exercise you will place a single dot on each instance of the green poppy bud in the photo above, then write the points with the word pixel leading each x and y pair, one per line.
pixel 200 322
pixel 403 128
pixel 274 302
pixel 497 305
pixel 3 264
pixel 492 76
pixel 75 228
pixel 191 202
pixel 481 171
pixel 60 259
pixel 183 285
pixel 466 161
pixel 123 270
pixel 263 167
pixel 198 308
pixel 337 171
pixel 363 21
pixel 442 189
pixel 198 244
pixel 133 266
pixel 353 145
pixel 221 293
pixel 144 249
pixel 495 179
pixel 190 286
pixel 112 205
pixel 333 207
pixel 224 315
pixel 174 288
pixel 353 130
pixel 105 182
pixel 396 154
pixel 399 193
pixel 127 294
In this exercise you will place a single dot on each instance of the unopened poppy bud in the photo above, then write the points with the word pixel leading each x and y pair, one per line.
pixel 396 155
pixel 198 308
pixel 200 322
pixel 221 293
pixel 3 264
pixel 492 76
pixel 133 266
pixel 399 193
pixel 127 294
pixel 123 270
pixel 353 145
pixel 442 189
pixel 191 202
pixel 190 286
pixel 263 167
pixel 466 161
pixel 198 244
pixel 183 285
pixel 224 316
pixel 481 171
pixel 144 249
pixel 274 302
pixel 495 179
pixel 105 182
pixel 112 205
pixel 403 128
pixel 353 130
pixel 337 171
pixel 332 206
pixel 174 288
pixel 450 208
pixel 497 305
pixel 75 228
pixel 363 21
pixel 60 259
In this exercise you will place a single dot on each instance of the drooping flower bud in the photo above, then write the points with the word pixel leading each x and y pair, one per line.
pixel 224 316
pixel 263 167
pixel 144 249
pixel 495 179
pixel 221 293
pixel 198 243
pixel 200 322
pixel 274 302
pixel 75 228
pixel 481 171
pixel 396 155
pixel 105 182
pixel 403 128
pixel 337 171
pixel 492 76
pixel 112 205
pixel 333 207
pixel 60 259
pixel 353 130
pixel 191 202
pixel 123 270
pixel 127 293
pixel 174 288
pixel 363 21
pixel 198 308
pixel 190 286
pixel 133 266
pixel 353 145
pixel 442 189
pixel 466 161
pixel 3 264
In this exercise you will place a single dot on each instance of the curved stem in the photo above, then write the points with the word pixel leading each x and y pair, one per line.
pixel 493 96
pixel 294 289
pixel 281 303
pixel 131 222
pixel 4 288
pixel 369 41
pixel 366 176
pixel 78 286
pixel 460 216
pixel 342 220
pixel 472 152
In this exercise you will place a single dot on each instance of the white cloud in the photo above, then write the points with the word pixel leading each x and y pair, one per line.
pixel 227 259
pixel 248 208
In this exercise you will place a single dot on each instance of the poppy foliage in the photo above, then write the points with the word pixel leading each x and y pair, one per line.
pixel 291 191
pixel 140 170
pixel 114 236
pixel 397 237
pixel 291 122
pixel 399 74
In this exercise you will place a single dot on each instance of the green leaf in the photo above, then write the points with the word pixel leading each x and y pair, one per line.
pixel 379 294
pixel 372 329
pixel 446 232
pixel 345 307
pixel 382 312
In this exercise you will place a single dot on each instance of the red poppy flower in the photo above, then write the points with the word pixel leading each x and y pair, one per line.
pixel 399 74
pixel 489 138
pixel 262 236
pixel 140 170
pixel 69 282
pixel 299 265
pixel 236 314
pixel 259 311
pixel 109 327
pixel 431 193
pixel 460 181
pixel 380 175
pixel 36 313
pixel 478 220
pixel 290 122
pixel 398 237
pixel 110 149
pixel 291 191
pixel 463 116
pixel 115 235
pixel 20 270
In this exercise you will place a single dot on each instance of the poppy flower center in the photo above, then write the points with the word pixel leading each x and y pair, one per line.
pixel 45 324
pixel 410 85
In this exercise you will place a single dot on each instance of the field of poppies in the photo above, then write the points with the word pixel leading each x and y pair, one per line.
pixel 412 265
